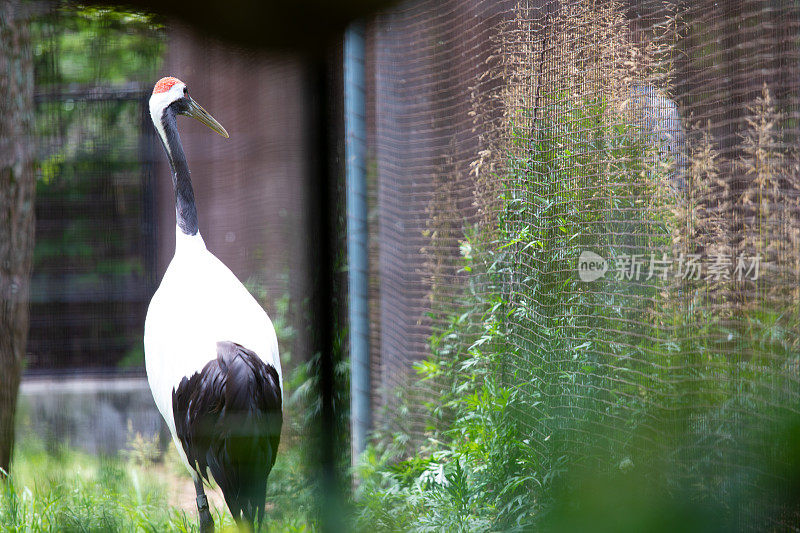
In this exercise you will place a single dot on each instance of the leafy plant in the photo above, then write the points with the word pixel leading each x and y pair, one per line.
pixel 542 388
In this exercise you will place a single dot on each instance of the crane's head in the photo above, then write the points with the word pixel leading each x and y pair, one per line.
pixel 171 94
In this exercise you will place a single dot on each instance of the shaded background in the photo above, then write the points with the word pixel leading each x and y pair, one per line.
pixel 105 215
pixel 503 138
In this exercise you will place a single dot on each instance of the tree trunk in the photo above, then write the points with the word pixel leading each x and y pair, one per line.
pixel 17 186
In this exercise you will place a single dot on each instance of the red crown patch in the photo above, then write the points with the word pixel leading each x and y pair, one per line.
pixel 165 84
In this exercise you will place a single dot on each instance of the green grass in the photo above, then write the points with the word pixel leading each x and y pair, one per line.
pixel 72 491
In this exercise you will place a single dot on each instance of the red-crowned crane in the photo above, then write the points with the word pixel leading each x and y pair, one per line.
pixel 210 349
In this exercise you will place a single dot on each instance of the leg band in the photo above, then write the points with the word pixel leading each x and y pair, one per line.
pixel 202 502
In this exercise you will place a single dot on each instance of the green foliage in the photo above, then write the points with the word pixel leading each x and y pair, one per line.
pixel 501 361
pixel 548 388
pixel 89 63
pixel 83 45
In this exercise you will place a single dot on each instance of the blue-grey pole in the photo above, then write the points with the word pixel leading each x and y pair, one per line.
pixel 357 256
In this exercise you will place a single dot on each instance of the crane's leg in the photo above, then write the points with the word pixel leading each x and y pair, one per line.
pixel 206 522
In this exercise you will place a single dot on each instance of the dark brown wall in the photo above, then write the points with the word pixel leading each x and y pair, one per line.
pixel 248 187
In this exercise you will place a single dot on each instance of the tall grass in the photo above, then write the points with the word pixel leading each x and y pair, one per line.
pixel 73 491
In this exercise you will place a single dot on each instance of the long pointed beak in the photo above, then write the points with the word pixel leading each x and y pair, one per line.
pixel 197 112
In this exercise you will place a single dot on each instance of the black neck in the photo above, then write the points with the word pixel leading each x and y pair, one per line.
pixel 185 208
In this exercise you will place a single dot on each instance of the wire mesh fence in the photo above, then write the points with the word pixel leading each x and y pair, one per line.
pixel 95 260
pixel 105 232
pixel 586 242
pixel 94 265
pixel 584 250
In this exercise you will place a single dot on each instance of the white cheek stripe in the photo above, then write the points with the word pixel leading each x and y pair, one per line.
pixel 158 103
pixel 163 135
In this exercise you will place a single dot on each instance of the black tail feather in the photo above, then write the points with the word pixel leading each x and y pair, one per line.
pixel 228 418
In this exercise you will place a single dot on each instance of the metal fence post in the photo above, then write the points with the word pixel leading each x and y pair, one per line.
pixel 357 246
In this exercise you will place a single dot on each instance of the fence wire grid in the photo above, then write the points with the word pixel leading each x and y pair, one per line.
pixel 587 212
pixel 584 239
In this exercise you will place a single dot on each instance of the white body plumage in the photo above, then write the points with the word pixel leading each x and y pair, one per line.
pixel 199 303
